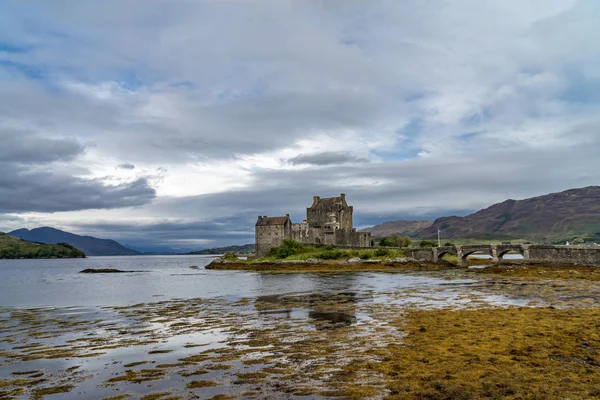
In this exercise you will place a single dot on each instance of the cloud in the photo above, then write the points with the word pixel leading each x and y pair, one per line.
pixel 326 158
pixel 38 191
pixel 253 107
pixel 30 148
pixel 126 166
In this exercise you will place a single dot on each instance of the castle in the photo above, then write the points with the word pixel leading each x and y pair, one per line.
pixel 328 221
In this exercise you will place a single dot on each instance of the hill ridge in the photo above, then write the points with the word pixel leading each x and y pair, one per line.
pixel 571 215
pixel 90 245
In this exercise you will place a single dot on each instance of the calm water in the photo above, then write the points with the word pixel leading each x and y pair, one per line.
pixel 58 283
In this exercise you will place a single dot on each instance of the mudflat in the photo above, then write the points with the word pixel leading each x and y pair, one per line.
pixel 449 334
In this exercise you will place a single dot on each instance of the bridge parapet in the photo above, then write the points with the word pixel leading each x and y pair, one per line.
pixel 578 255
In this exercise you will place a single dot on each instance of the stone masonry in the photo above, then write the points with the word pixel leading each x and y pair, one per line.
pixel 328 221
pixel 536 253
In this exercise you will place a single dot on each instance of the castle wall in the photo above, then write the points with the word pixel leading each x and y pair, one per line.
pixel 333 216
pixel 270 236
pixel 328 222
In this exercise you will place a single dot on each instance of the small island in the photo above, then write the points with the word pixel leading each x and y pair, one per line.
pixel 15 248
pixel 293 256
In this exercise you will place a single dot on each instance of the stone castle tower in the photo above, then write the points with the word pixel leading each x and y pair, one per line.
pixel 328 221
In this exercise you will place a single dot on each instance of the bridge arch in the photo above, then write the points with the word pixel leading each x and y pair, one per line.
pixel 466 251
pixel 502 254
pixel 440 252
pixel 507 249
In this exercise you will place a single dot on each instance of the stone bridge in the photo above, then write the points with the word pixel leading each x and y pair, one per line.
pixel 537 253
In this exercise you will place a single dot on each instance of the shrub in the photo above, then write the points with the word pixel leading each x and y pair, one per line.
pixel 365 255
pixel 288 248
pixel 448 244
pixel 427 243
pixel 329 247
pixel 381 252
pixel 332 255
pixel 229 257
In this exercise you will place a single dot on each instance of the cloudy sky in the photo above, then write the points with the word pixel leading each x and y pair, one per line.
pixel 176 123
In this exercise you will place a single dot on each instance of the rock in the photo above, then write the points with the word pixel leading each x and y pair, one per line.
pixel 354 260
pixel 194 267
pixel 403 260
pixel 313 261
pixel 104 271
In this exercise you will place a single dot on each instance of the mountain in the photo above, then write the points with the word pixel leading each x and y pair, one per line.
pixel 400 228
pixel 572 215
pixel 91 246
pixel 243 249
pixel 158 250
pixel 12 247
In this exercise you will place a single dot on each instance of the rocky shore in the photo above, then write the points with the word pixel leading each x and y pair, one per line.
pixel 314 265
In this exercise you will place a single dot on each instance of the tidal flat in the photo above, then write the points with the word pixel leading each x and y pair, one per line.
pixel 448 334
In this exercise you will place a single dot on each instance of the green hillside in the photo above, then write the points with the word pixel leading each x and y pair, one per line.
pixel 13 248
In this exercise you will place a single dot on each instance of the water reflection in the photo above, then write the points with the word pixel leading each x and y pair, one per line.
pixel 327 310
pixel 336 319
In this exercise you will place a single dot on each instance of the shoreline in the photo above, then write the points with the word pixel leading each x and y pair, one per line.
pixel 326 266
pixel 514 268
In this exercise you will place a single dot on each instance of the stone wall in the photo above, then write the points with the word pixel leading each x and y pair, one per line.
pixel 306 234
pixel 270 236
pixel 579 255
pixel 548 254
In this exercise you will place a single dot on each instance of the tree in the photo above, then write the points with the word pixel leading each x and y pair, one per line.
pixel 395 241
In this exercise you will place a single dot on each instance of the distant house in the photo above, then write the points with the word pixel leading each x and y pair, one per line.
pixel 328 221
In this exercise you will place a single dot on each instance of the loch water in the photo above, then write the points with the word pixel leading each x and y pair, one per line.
pixel 58 283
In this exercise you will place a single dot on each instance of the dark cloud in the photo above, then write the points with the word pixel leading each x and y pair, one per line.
pixel 32 148
pixel 126 166
pixel 24 190
pixel 326 158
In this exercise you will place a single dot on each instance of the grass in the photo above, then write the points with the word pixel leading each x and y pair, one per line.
pixel 294 251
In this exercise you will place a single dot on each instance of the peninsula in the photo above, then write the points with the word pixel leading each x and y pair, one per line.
pixel 15 248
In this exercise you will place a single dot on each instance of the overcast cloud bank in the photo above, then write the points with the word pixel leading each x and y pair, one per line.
pixel 179 123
